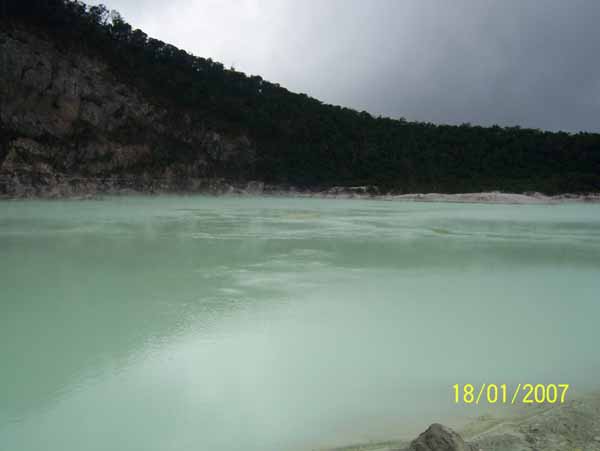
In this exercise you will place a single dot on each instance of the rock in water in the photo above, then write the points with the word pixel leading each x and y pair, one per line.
pixel 439 438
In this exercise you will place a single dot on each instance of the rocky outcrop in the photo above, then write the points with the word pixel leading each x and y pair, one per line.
pixel 68 126
pixel 439 438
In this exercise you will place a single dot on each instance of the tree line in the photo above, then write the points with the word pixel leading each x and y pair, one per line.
pixel 303 142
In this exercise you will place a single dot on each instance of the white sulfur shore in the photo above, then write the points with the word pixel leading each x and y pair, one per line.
pixel 499 198
pixel 491 197
pixel 339 192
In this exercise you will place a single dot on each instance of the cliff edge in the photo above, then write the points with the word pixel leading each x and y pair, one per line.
pixel 68 127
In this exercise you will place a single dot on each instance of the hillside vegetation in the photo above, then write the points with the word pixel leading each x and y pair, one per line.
pixel 300 141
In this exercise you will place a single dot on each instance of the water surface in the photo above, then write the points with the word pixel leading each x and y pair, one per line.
pixel 276 324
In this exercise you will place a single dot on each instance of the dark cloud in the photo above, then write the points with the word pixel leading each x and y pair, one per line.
pixel 531 63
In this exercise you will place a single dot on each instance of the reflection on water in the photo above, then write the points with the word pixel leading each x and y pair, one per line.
pixel 180 323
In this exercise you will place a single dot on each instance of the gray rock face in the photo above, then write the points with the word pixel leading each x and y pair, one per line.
pixel 255 188
pixel 68 126
pixel 439 438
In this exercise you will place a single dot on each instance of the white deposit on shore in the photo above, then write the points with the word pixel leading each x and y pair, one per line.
pixel 499 197
pixel 371 192
pixel 494 197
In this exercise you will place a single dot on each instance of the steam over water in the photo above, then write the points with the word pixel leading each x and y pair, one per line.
pixel 263 324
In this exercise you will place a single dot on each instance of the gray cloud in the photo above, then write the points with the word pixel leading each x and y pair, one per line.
pixel 531 63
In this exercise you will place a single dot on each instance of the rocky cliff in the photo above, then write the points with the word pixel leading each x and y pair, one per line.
pixel 68 126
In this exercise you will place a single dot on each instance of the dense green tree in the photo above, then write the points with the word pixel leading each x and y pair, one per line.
pixel 302 141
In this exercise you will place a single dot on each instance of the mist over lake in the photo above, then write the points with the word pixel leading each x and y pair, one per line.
pixel 180 323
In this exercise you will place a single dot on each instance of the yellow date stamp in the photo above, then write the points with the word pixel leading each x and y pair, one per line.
pixel 502 394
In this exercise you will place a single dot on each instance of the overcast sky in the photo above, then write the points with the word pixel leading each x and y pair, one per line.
pixel 534 63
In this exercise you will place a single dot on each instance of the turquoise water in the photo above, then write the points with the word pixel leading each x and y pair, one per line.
pixel 199 323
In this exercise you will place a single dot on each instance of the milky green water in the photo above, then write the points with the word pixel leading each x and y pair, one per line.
pixel 197 323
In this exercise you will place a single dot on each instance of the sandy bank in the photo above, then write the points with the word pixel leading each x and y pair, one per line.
pixel 573 426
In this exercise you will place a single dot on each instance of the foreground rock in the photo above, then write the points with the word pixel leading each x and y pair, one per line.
pixel 439 438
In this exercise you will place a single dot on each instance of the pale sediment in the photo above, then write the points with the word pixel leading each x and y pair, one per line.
pixel 494 197
pixel 64 187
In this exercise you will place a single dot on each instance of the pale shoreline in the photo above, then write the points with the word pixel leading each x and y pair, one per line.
pixel 490 197
pixel 360 193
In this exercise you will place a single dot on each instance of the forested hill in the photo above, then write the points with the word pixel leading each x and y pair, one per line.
pixel 264 132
